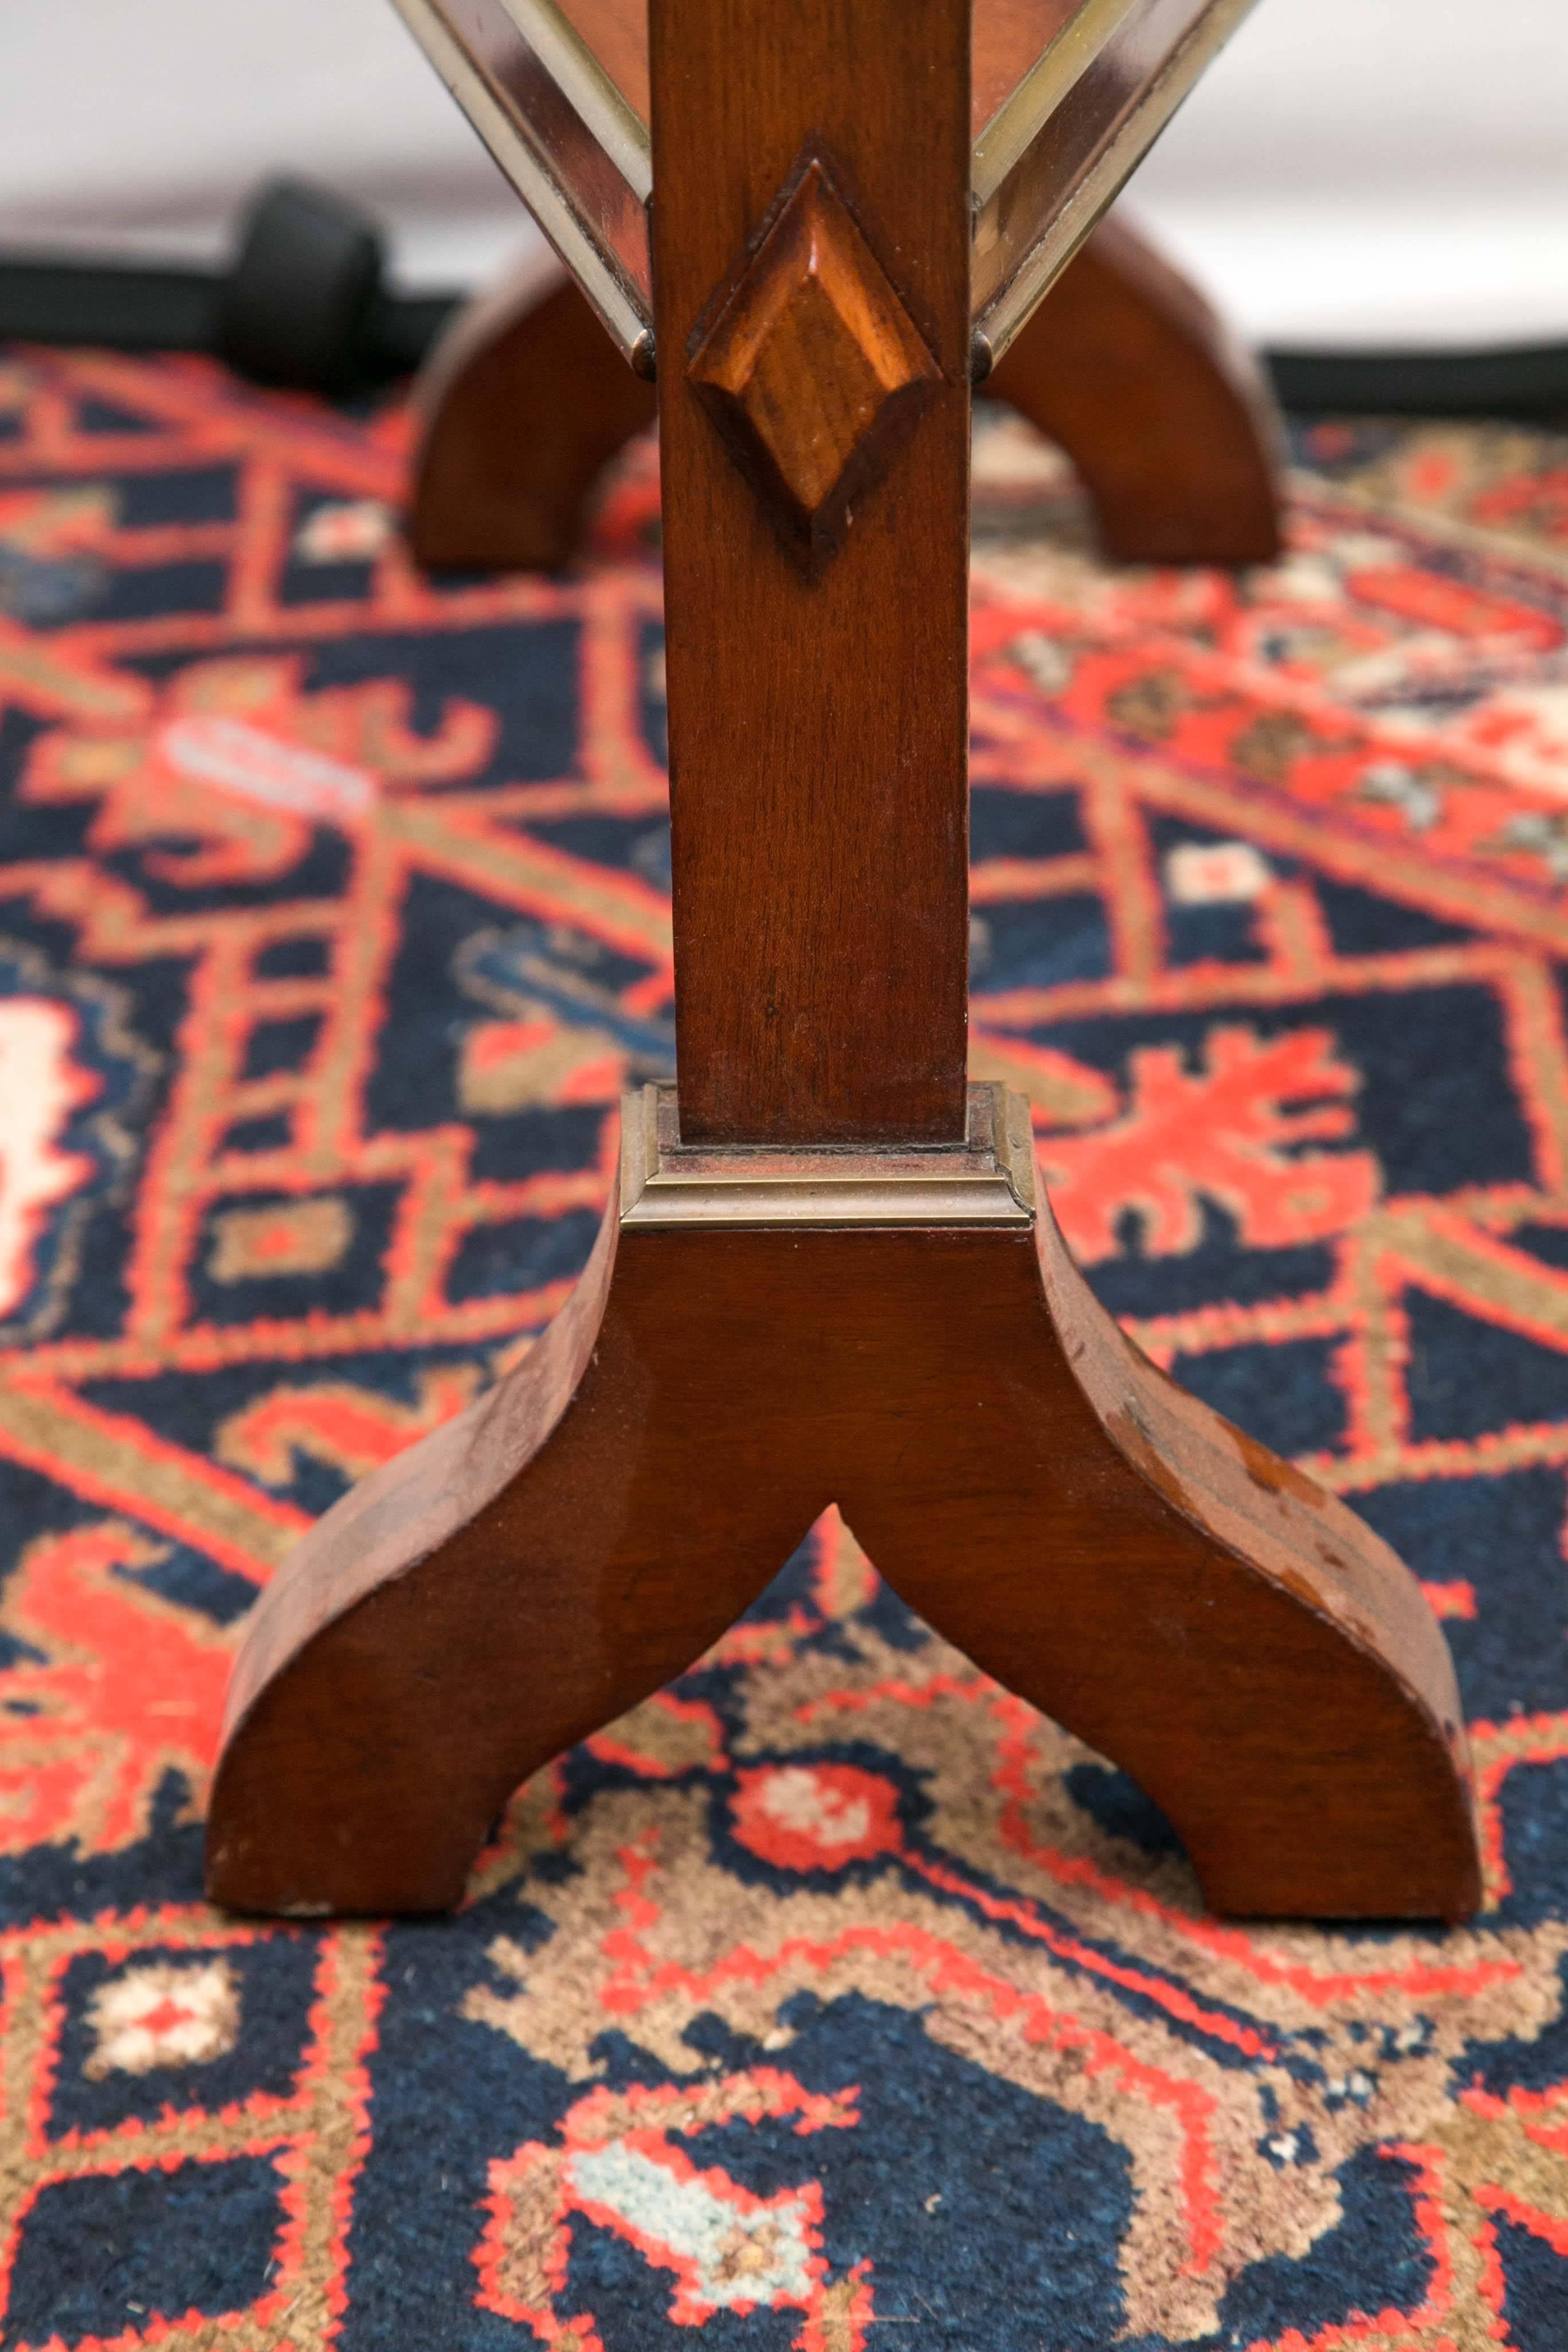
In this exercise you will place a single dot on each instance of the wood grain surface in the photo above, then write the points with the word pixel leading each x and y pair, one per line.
pixel 522 404
pixel 813 369
pixel 1101 1543
pixel 1167 419
pixel 818 726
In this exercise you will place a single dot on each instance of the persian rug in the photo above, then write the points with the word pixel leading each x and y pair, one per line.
pixel 833 1999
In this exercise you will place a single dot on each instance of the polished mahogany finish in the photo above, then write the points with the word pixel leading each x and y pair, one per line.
pixel 1105 1545
pixel 813 368
pixel 522 404
pixel 819 806
pixel 1166 417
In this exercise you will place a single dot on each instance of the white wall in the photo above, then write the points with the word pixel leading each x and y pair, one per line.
pixel 1350 172
pixel 1378 171
pixel 136 127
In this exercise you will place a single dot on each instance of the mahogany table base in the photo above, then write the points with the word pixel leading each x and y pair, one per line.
pixel 757 1337
pixel 1168 421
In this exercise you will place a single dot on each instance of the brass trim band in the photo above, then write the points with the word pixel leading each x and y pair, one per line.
pixel 989 1180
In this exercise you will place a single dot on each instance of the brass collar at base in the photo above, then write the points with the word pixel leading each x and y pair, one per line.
pixel 987 1181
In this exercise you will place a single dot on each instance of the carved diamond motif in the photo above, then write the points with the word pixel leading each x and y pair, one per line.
pixel 813 369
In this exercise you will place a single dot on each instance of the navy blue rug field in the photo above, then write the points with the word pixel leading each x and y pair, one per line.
pixel 832 1991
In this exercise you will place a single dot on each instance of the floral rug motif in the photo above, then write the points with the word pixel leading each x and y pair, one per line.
pixel 832 1991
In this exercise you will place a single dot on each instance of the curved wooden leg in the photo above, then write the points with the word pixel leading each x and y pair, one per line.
pixel 1165 417
pixel 1254 1655
pixel 522 404
pixel 1241 1642
pixel 501 1590
pixel 525 400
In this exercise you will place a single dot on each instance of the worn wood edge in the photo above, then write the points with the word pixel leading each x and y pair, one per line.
pixel 391 1522
pixel 1254 1502
pixel 518 407
pixel 1166 417
pixel 479 324
pixel 1144 265
pixel 1256 441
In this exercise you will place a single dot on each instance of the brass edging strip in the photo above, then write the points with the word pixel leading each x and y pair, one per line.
pixel 1022 115
pixel 624 316
pixel 602 106
pixel 990 1184
pixel 1011 305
